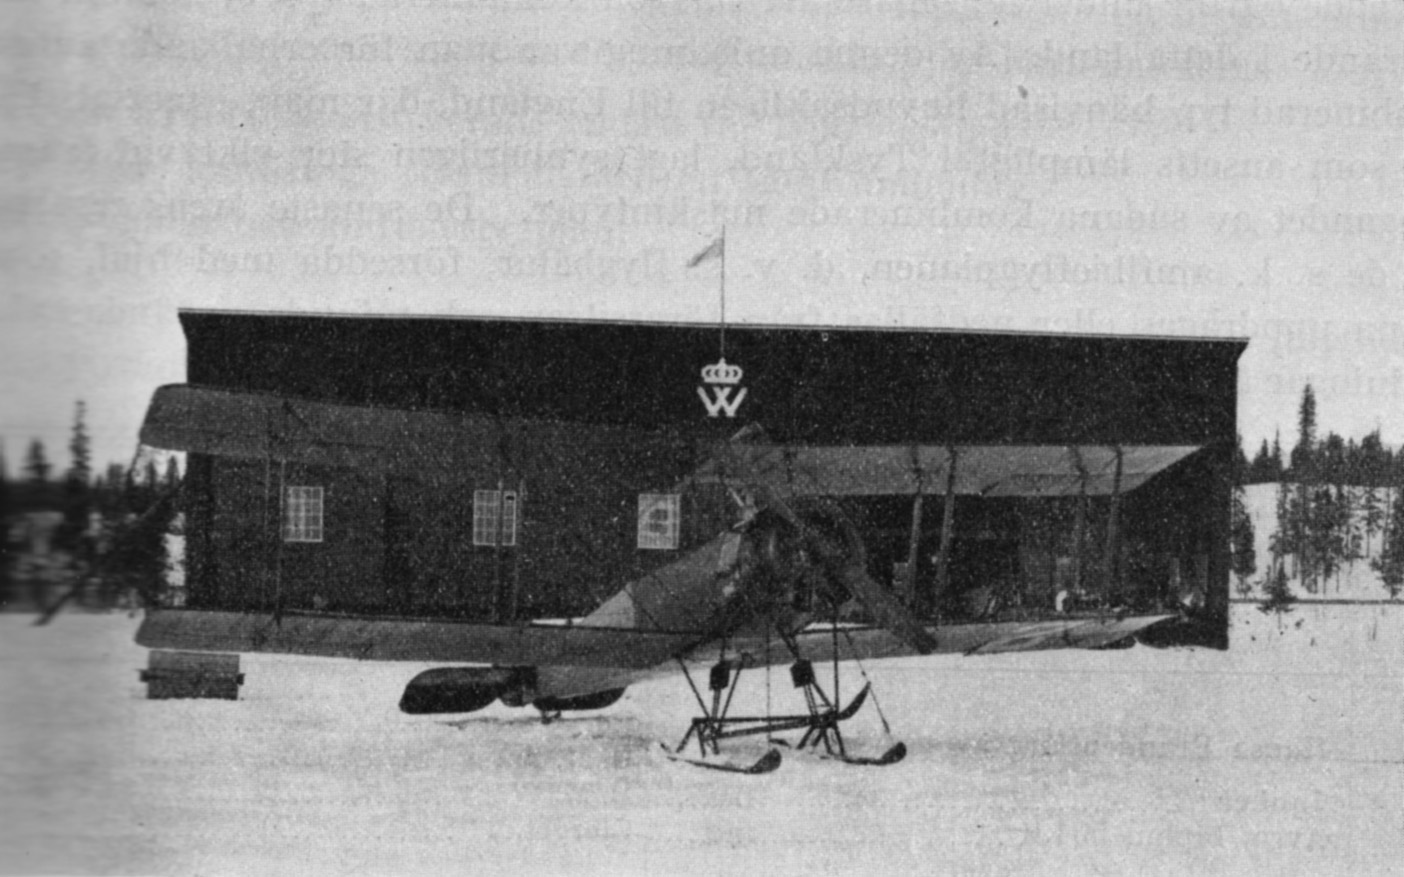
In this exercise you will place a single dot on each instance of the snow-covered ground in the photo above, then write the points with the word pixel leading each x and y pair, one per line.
pixel 1284 755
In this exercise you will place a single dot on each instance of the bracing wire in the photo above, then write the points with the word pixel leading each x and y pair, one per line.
pixel 872 690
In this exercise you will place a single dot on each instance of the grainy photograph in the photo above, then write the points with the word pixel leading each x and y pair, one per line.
pixel 708 437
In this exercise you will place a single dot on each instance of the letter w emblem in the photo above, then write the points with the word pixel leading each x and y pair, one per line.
pixel 721 400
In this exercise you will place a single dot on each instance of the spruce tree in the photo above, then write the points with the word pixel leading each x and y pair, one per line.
pixel 1390 563
pixel 1260 471
pixel 1303 472
pixel 1277 593
pixel 36 465
pixel 1279 470
pixel 77 482
pixel 1304 453
pixel 81 470
pixel 1280 541
pixel 1372 512
pixel 1389 464
pixel 1317 553
pixel 1241 536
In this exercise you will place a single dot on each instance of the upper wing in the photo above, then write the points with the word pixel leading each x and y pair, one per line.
pixel 822 643
pixel 262 426
pixel 980 470
pixel 411 639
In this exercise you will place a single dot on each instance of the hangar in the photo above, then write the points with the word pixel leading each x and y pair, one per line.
pixel 500 469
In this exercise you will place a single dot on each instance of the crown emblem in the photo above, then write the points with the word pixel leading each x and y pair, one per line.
pixel 720 372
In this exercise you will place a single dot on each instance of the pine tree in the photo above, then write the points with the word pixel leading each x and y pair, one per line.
pixel 1304 473
pixel 1371 474
pixel 1330 461
pixel 81 471
pixel 1297 527
pixel 1304 453
pixel 1278 596
pixel 77 484
pixel 36 464
pixel 1354 467
pixel 1319 554
pixel 1241 536
pixel 1339 540
pixel 1389 464
pixel 1390 563
pixel 1260 471
pixel 1280 540
pixel 1279 470
pixel 1352 526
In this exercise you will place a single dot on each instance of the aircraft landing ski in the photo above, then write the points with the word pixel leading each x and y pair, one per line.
pixel 765 764
pixel 895 753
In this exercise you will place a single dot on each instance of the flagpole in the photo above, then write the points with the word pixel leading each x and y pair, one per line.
pixel 723 292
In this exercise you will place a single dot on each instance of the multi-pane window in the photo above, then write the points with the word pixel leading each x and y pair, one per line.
pixel 302 514
pixel 659 514
pixel 495 517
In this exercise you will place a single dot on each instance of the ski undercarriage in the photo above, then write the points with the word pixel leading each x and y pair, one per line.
pixel 819 723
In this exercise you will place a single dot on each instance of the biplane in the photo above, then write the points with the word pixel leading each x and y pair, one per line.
pixel 784 577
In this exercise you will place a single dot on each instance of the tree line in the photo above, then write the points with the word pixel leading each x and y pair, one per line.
pixel 113 522
pixel 1337 502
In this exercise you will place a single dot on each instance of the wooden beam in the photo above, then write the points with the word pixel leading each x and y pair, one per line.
pixel 913 543
pixel 1113 534
pixel 1080 524
pixel 943 557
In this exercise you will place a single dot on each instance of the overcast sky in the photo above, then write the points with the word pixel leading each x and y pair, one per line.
pixel 1222 169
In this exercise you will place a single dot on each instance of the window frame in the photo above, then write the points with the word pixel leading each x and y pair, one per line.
pixel 649 538
pixel 496 516
pixel 304 514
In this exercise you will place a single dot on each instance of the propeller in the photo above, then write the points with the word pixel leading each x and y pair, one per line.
pixel 827 535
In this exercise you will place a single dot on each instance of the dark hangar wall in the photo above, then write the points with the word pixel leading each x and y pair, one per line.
pixel 821 386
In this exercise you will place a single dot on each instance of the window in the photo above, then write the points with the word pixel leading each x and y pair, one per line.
pixel 494 517
pixel 302 514
pixel 659 514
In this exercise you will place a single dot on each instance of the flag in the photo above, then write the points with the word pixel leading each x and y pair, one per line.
pixel 713 251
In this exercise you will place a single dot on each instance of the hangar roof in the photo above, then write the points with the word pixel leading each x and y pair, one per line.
pixel 741 326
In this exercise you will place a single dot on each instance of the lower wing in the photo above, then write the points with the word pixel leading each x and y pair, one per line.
pixel 823 642
pixel 562 645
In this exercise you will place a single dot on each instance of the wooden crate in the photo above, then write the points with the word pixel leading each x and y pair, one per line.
pixel 192 674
